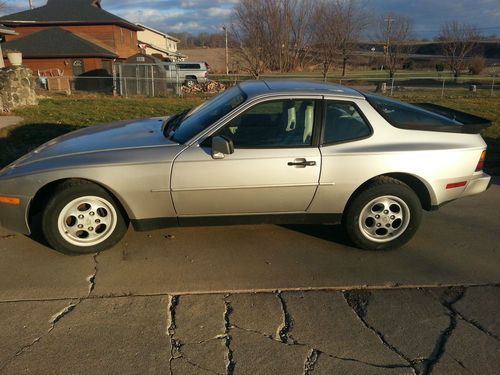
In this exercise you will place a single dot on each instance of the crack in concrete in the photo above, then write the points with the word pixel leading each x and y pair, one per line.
pixel 448 299
pixel 294 343
pixel 286 326
pixel 195 365
pixel 61 314
pixel 56 318
pixel 230 363
pixel 376 365
pixel 271 337
pixel 472 322
pixel 216 338
pixel 174 344
pixel 459 363
pixel 92 278
pixel 476 324
pixel 359 302
pixel 319 352
pixel 310 361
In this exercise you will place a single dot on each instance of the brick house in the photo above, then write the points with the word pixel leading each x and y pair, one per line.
pixel 77 37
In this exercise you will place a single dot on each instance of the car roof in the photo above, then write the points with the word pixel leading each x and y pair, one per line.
pixel 261 87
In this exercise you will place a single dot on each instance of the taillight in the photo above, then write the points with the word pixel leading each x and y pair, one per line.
pixel 480 164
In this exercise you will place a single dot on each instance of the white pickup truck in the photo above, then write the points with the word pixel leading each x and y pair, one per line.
pixel 189 72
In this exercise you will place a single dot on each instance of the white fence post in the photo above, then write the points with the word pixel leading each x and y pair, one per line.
pixel 152 81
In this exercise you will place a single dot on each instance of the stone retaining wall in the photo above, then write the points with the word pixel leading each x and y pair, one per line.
pixel 17 88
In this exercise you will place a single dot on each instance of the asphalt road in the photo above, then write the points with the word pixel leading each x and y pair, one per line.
pixel 259 300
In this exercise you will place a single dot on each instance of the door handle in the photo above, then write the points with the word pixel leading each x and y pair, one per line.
pixel 301 163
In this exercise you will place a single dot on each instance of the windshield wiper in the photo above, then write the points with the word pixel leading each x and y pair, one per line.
pixel 174 122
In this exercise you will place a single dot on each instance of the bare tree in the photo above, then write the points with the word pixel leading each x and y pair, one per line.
pixel 458 40
pixel 327 36
pixel 299 17
pixel 273 34
pixel 352 21
pixel 251 35
pixel 395 31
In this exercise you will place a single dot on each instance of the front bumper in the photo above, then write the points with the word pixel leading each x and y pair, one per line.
pixel 15 217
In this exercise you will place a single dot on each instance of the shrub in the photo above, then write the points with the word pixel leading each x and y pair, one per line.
pixel 439 67
pixel 477 64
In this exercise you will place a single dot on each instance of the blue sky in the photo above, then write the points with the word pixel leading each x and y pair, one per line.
pixel 208 15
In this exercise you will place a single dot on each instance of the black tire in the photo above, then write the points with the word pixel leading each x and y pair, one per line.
pixel 370 232
pixel 103 218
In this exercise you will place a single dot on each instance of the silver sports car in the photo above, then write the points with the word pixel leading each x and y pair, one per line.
pixel 261 152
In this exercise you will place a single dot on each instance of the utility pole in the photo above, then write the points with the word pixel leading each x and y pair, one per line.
pixel 389 21
pixel 31 4
pixel 227 50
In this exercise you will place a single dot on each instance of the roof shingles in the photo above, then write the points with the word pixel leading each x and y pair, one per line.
pixel 57 42
pixel 67 12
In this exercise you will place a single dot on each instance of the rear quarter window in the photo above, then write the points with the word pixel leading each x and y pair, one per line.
pixel 407 116
pixel 344 122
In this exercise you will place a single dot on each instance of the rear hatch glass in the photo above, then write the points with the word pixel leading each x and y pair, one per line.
pixel 426 116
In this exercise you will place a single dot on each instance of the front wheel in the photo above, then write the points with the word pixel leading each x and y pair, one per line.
pixel 385 215
pixel 81 217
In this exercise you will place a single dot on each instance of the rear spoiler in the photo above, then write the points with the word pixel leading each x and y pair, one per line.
pixel 471 124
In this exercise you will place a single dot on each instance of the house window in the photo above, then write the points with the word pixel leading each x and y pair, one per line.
pixel 78 67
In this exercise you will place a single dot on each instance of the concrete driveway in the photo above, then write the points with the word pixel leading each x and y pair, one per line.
pixel 259 300
pixel 6 121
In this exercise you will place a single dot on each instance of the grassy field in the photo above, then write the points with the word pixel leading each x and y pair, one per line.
pixel 58 115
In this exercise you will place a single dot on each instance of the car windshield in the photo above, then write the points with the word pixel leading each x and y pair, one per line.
pixel 206 114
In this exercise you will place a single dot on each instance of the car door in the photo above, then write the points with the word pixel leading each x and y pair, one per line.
pixel 275 167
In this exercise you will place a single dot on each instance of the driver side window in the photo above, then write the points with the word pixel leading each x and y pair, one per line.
pixel 278 123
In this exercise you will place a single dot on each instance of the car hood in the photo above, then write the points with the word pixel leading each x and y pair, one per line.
pixel 99 138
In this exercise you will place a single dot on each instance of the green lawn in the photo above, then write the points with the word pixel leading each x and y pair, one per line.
pixel 58 115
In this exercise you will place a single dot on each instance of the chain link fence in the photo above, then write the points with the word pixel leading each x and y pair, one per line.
pixel 146 80
pixel 152 80
pixel 438 85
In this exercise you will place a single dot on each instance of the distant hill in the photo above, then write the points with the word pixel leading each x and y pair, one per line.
pixel 489 50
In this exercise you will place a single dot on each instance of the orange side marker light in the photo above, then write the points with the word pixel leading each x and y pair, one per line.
pixel 7 200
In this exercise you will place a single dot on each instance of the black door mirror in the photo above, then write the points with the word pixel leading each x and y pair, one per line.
pixel 221 146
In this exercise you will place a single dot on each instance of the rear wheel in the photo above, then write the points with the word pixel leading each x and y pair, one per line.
pixel 385 215
pixel 81 217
